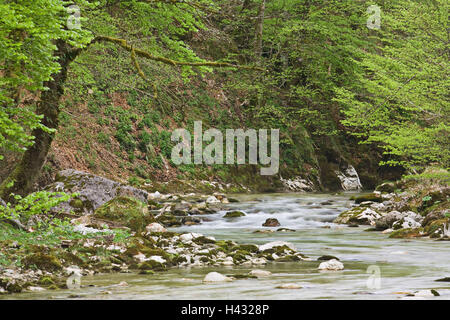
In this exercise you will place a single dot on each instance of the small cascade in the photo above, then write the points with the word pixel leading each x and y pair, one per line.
pixel 349 179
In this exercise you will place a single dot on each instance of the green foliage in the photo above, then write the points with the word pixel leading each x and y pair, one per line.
pixel 400 99
pixel 28 33
pixel 36 203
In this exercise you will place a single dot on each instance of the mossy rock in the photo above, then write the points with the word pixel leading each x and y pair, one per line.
pixel 368 197
pixel 279 250
pixel 386 187
pixel 156 252
pixel 77 204
pixel 349 215
pixel 234 214
pixel 14 288
pixel 46 281
pixel 147 272
pixel 127 211
pixel 70 259
pixel 225 245
pixel 169 220
pixel 289 258
pixel 203 240
pixel 42 261
pixel 238 257
pixel 151 265
pixel 436 228
pixel 179 260
pixel 249 247
pixel 407 233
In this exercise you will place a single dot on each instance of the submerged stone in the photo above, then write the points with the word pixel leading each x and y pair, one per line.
pixel 271 222
pixel 234 214
pixel 216 277
pixel 331 265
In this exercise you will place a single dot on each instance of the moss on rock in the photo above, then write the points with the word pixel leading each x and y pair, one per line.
pixel 234 214
pixel 128 211
pixel 151 265
pixel 436 228
pixel 406 233
pixel 368 197
pixel 42 261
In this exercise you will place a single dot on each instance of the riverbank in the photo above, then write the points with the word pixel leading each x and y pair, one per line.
pixel 213 233
pixel 409 208
pixel 408 269
pixel 112 228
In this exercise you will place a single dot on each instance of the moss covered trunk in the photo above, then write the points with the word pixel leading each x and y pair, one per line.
pixel 27 171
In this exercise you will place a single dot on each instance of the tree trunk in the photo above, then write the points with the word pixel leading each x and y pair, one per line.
pixel 27 171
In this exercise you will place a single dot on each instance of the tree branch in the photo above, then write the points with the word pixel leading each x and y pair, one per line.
pixel 144 54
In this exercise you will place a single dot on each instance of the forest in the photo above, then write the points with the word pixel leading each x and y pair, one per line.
pixel 118 124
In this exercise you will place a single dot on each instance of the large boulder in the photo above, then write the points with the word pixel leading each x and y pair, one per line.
pixel 433 216
pixel 93 191
pixel 386 221
pixel 399 220
pixel 126 211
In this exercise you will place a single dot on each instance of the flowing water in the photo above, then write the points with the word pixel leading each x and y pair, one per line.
pixel 376 267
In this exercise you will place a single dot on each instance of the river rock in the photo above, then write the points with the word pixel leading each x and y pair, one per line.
pixel 331 265
pixel 289 286
pixel 93 191
pixel 188 237
pixel 426 293
pixel 158 259
pixel 433 216
pixel 349 179
pixel 408 221
pixel 359 215
pixel 228 261
pixel 234 214
pixel 212 200
pixel 35 289
pixel 327 258
pixel 125 211
pixel 274 244
pixel 446 279
pixel 271 222
pixel 386 221
pixel 397 220
pixel 155 227
pixel 154 196
pixel 386 187
pixel 260 273
pixel 298 184
pixel 216 277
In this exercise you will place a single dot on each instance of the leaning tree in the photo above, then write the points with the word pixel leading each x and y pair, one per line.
pixel 39 39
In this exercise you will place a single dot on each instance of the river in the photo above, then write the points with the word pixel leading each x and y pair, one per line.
pixel 376 267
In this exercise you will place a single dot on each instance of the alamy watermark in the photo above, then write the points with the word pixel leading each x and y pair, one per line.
pixel 256 151
pixel 74 279
pixel 374 20
pixel 374 280
pixel 74 19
